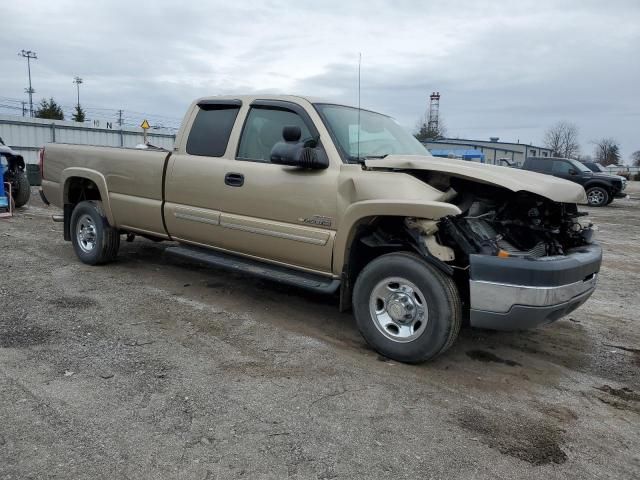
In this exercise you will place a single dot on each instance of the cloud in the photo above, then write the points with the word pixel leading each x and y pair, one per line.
pixel 509 69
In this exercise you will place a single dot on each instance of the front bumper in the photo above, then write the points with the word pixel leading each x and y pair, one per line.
pixel 518 293
pixel 621 193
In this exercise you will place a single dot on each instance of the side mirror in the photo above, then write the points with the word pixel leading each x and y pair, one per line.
pixel 294 153
pixel 573 171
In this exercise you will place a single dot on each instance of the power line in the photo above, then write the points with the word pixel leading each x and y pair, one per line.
pixel 118 116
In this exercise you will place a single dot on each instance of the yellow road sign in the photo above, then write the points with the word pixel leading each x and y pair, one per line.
pixel 145 125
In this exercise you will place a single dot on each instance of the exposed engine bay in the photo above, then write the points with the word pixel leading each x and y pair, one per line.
pixel 498 222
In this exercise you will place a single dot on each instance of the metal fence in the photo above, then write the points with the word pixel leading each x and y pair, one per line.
pixel 622 169
pixel 28 135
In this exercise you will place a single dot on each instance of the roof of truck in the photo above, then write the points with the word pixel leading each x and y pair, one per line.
pixel 290 98
pixel 269 96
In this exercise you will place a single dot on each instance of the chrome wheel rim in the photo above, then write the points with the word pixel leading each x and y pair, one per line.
pixel 86 233
pixel 596 197
pixel 398 309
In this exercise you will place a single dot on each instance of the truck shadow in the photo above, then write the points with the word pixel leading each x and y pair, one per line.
pixel 540 353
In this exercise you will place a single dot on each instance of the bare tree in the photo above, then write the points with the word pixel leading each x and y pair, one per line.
pixel 607 151
pixel 562 139
pixel 635 158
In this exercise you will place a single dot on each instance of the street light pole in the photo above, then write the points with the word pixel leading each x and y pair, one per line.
pixel 28 54
pixel 77 80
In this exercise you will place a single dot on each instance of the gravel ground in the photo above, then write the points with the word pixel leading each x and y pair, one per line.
pixel 155 368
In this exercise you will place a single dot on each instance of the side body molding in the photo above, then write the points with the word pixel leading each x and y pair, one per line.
pixel 359 212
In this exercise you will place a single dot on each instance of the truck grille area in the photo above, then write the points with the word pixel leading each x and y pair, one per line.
pixel 522 225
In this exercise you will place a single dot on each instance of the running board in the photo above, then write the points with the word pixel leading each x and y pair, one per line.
pixel 268 271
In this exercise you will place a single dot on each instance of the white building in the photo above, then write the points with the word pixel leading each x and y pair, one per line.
pixel 495 151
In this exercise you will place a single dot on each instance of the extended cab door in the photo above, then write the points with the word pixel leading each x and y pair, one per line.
pixel 195 172
pixel 241 202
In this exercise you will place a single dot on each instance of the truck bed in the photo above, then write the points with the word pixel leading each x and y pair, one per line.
pixel 134 178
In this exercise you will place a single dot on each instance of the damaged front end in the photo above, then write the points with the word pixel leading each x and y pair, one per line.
pixel 524 226
pixel 528 260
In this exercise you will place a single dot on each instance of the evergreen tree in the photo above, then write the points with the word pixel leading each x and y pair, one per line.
pixel 425 133
pixel 49 109
pixel 78 115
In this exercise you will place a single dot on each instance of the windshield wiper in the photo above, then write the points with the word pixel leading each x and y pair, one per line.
pixel 354 159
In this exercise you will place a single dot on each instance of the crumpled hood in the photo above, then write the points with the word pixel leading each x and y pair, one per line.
pixel 513 179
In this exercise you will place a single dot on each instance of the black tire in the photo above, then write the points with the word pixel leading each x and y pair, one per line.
pixel 443 307
pixel 94 240
pixel 22 190
pixel 611 199
pixel 597 196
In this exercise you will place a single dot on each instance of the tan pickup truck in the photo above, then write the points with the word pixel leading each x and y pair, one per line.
pixel 336 199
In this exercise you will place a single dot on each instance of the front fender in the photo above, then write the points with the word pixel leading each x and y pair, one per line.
pixel 95 177
pixel 360 212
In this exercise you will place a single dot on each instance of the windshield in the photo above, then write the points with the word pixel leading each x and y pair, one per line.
pixel 377 137
pixel 579 166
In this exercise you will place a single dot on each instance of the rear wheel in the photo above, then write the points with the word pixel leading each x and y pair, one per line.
pixel 20 189
pixel 405 308
pixel 597 196
pixel 94 240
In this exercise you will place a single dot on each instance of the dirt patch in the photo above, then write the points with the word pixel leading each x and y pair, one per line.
pixel 531 440
pixel 484 356
pixel 14 335
pixel 74 302
pixel 620 398
pixel 624 393
pixel 560 413
pixel 632 350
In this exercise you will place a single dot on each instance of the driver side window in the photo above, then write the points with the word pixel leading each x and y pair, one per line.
pixel 263 129
pixel 561 167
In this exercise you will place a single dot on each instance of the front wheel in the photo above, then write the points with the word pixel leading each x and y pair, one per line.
pixel 597 196
pixel 405 308
pixel 94 240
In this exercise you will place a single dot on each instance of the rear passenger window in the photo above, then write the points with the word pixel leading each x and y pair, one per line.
pixel 539 165
pixel 211 129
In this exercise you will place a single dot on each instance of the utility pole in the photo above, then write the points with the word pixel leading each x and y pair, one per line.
pixel 24 108
pixel 120 125
pixel 77 80
pixel 28 54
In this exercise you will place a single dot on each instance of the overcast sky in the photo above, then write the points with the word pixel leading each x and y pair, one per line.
pixel 507 69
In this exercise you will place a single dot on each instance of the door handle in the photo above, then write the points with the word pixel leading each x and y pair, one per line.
pixel 234 179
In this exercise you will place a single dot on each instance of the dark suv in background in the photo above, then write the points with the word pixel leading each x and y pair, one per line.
pixel 601 188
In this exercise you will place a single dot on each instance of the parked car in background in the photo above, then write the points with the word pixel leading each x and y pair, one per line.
pixel 15 175
pixel 602 188
pixel 595 167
